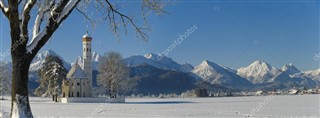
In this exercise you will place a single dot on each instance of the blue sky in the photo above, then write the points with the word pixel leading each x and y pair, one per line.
pixel 233 33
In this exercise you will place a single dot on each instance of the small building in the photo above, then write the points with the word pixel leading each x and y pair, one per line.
pixel 318 91
pixel 312 91
pixel 258 93
pixel 293 91
pixel 277 92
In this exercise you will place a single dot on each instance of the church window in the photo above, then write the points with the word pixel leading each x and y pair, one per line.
pixel 78 94
pixel 78 84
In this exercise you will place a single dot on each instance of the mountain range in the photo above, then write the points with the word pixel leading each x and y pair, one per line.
pixel 152 59
pixel 153 80
pixel 257 75
pixel 216 74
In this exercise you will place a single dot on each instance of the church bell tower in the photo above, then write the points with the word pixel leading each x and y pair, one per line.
pixel 87 62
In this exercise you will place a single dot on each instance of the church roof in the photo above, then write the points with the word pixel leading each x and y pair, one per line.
pixel 76 72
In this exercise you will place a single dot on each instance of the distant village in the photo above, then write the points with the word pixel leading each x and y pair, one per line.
pixel 293 91
pixel 206 93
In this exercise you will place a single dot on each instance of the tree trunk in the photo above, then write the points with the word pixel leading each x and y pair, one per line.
pixel 56 98
pixel 20 107
pixel 110 94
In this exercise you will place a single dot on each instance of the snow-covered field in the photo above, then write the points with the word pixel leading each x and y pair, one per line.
pixel 296 106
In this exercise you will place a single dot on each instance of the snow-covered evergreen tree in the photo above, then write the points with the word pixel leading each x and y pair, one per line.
pixel 112 71
pixel 51 76
pixel 5 79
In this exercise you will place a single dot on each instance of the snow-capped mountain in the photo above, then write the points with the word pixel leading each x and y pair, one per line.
pixel 258 72
pixel 314 74
pixel 215 74
pixel 153 80
pixel 290 69
pixel 40 58
pixel 291 81
pixel 154 60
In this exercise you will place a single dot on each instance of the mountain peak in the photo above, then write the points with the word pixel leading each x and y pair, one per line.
pixel 260 66
pixel 289 65
pixel 258 72
pixel 259 62
pixel 151 56
pixel 217 74
pixel 208 63
pixel 290 69
pixel 205 62
pixel 42 55
pixel 37 62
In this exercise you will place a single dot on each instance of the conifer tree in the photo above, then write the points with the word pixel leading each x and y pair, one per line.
pixel 51 76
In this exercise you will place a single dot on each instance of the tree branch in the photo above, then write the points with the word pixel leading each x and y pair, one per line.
pixel 154 5
pixel 66 10
pixel 92 22
pixel 39 19
pixel 58 15
pixel 123 17
pixel 26 17
pixel 4 7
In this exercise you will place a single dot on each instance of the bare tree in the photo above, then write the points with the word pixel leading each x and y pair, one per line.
pixel 50 15
pixel 112 71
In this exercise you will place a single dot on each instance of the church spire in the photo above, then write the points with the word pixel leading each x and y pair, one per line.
pixel 87 35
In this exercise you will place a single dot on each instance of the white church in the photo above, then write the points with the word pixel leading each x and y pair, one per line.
pixel 79 78
pixel 78 86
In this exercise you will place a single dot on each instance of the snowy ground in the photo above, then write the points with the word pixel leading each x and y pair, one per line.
pixel 263 106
